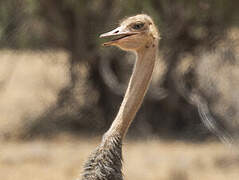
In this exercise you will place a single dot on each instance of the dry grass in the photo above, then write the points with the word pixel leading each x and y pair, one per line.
pixel 62 159
pixel 29 85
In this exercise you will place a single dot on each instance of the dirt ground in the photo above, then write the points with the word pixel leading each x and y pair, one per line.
pixel 153 159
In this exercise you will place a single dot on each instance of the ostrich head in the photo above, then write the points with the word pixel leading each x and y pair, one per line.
pixel 133 33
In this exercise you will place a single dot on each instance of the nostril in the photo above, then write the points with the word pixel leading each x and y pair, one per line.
pixel 116 31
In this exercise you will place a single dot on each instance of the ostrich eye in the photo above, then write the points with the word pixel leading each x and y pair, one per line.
pixel 138 26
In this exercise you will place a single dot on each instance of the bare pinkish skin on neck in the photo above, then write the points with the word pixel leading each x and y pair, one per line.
pixel 136 90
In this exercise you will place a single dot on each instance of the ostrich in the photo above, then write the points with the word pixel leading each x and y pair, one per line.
pixel 137 34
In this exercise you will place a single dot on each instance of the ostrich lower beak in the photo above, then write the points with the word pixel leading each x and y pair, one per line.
pixel 116 34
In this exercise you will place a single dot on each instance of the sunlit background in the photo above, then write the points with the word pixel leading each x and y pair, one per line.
pixel 60 89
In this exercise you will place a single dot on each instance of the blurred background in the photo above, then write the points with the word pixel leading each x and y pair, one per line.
pixel 60 89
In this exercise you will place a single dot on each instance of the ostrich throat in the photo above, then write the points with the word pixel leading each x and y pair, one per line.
pixel 137 88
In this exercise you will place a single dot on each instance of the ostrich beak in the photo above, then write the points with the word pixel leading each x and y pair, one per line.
pixel 116 35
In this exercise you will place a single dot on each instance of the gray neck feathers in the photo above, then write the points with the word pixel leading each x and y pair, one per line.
pixel 106 162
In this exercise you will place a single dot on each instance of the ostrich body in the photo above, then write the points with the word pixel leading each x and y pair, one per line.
pixel 137 34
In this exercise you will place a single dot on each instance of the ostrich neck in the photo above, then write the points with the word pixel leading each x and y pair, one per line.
pixel 138 85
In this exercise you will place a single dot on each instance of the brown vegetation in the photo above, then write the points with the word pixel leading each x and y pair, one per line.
pixel 29 85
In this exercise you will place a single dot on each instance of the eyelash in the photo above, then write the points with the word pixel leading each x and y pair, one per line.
pixel 138 26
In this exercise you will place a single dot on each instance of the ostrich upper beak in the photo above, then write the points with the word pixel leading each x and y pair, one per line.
pixel 116 34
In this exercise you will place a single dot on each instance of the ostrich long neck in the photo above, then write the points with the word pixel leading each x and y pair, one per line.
pixel 136 90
